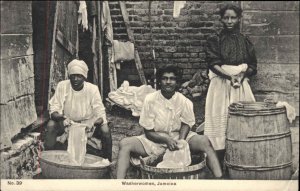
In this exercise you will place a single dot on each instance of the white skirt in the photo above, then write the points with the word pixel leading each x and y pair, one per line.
pixel 219 96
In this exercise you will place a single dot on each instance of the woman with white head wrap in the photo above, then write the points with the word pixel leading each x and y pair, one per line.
pixel 79 101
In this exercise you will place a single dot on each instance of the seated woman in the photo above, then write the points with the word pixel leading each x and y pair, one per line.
pixel 76 100
pixel 167 117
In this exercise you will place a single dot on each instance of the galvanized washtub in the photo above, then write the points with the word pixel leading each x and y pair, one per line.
pixel 55 164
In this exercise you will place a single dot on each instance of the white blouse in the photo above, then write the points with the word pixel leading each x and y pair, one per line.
pixel 83 106
pixel 165 115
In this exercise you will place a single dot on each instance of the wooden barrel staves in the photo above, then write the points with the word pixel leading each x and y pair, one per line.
pixel 258 142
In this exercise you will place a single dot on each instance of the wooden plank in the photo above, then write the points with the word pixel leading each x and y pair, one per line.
pixel 126 20
pixel 131 38
pixel 15 115
pixel 65 42
pixel 100 44
pixel 17 78
pixel 16 46
pixel 16 17
pixel 139 67
pixel 51 83
pixel 93 46
pixel 65 25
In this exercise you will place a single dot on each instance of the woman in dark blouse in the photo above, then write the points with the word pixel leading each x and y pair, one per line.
pixel 231 60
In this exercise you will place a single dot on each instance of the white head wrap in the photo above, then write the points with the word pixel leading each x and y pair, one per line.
pixel 78 67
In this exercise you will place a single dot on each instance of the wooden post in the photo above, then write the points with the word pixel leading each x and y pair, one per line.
pixel 100 37
pixel 131 38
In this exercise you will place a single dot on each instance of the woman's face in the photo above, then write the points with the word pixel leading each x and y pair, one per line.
pixel 77 81
pixel 230 19
pixel 168 82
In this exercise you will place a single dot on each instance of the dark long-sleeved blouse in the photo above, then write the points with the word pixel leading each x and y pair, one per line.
pixel 231 48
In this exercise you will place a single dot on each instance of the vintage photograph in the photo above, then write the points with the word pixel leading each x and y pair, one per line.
pixel 150 93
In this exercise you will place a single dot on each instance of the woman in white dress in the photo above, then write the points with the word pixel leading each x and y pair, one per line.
pixel 167 117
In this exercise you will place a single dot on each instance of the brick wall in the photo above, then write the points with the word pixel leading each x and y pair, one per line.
pixel 179 41
pixel 273 27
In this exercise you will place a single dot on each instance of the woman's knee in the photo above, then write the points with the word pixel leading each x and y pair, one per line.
pixel 105 130
pixel 126 143
pixel 205 141
pixel 51 126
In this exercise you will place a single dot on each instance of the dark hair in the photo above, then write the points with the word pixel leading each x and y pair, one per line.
pixel 167 69
pixel 230 6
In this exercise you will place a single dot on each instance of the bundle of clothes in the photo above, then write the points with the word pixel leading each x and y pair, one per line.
pixel 130 97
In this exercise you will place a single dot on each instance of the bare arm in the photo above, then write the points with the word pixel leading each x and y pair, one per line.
pixel 184 131
pixel 220 72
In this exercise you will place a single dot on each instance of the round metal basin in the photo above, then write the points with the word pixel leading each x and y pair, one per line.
pixel 55 164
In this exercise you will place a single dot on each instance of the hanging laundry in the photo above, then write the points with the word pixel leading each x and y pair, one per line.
pixel 106 22
pixel 178 5
pixel 77 143
pixel 123 51
pixel 178 158
pixel 83 17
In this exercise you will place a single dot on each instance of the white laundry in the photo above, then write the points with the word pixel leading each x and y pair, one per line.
pixel 77 143
pixel 131 97
pixel 290 110
pixel 82 17
pixel 102 163
pixel 178 5
pixel 122 51
pixel 178 158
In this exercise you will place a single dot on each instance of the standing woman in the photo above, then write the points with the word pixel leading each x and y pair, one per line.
pixel 231 60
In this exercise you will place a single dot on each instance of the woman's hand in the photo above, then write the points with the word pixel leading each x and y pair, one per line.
pixel 172 144
pixel 98 122
pixel 236 80
pixel 67 122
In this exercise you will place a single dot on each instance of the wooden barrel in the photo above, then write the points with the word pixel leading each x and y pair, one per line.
pixel 258 142
pixel 194 171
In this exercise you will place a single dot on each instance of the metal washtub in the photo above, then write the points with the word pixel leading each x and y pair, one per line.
pixel 55 164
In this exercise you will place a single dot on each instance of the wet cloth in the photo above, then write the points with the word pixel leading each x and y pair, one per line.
pixel 165 116
pixel 290 110
pixel 178 158
pixel 83 106
pixel 77 143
